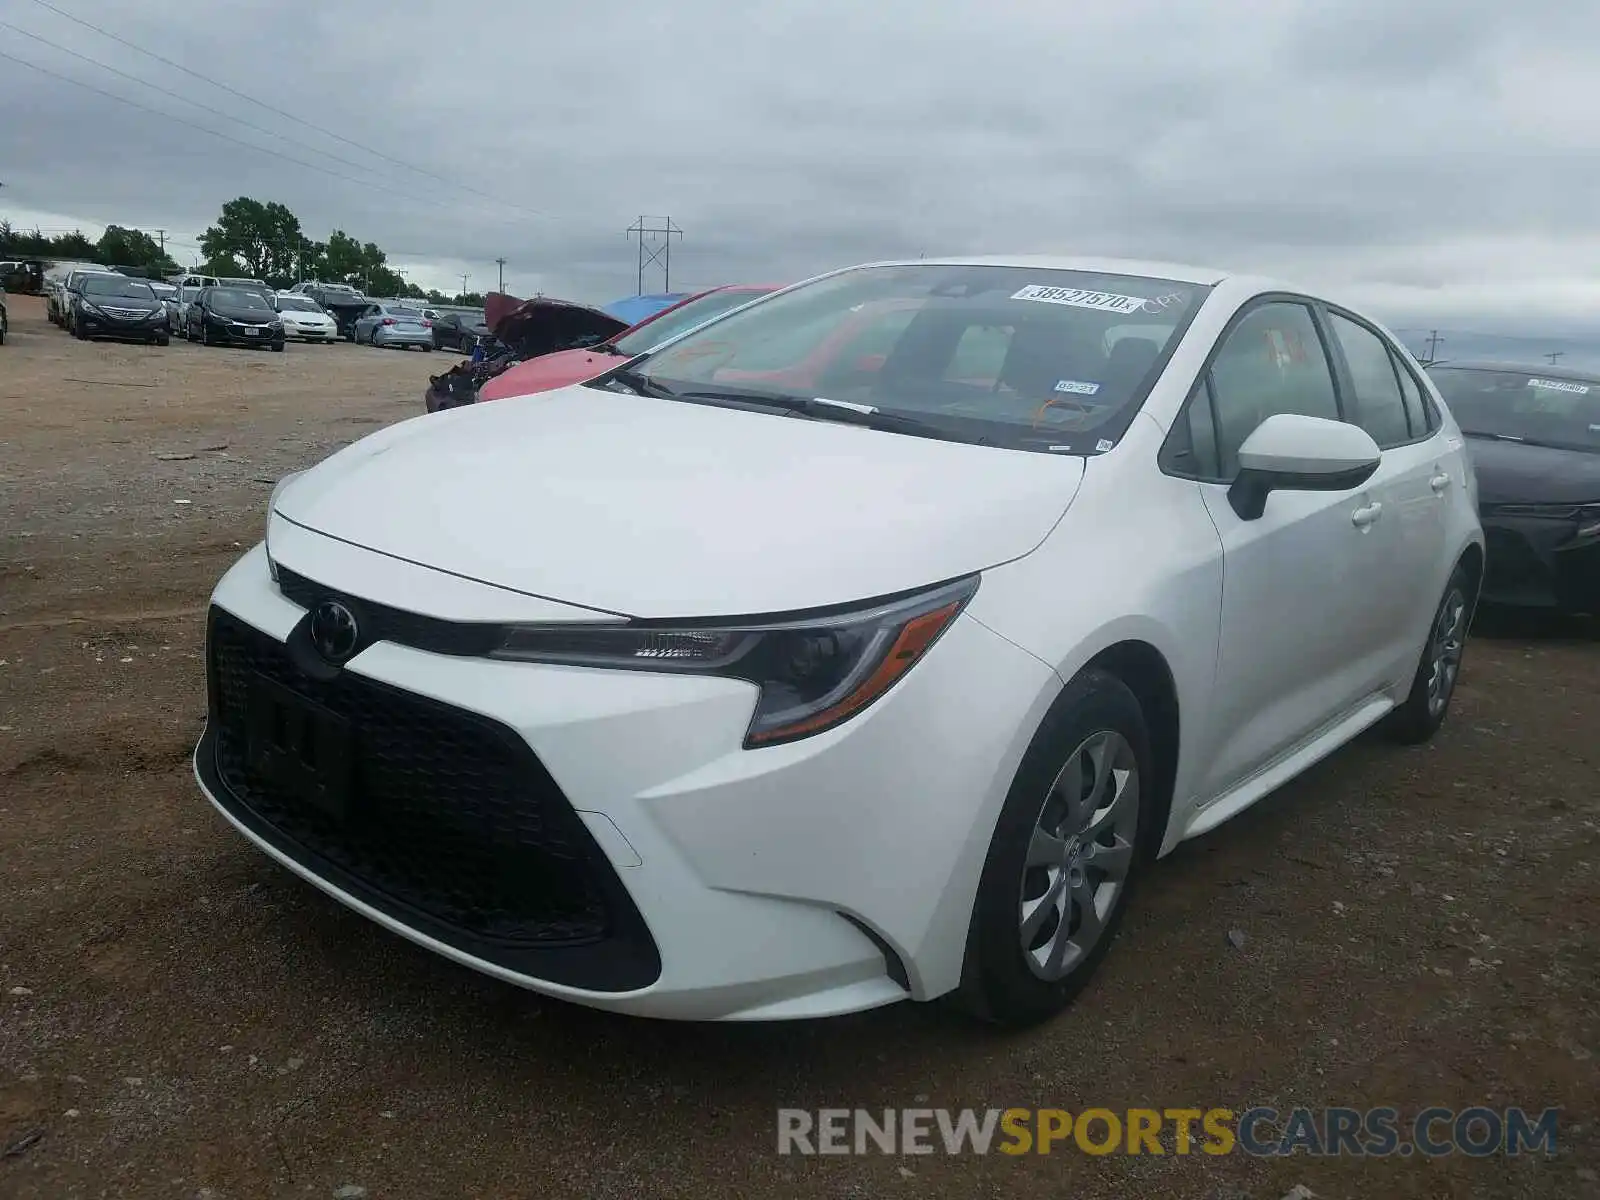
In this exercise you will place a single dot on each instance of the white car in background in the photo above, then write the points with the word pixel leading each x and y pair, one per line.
pixel 863 644
pixel 304 319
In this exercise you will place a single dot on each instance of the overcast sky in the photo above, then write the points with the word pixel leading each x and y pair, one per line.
pixel 1433 158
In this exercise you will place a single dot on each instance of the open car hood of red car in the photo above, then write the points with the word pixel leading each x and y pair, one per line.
pixel 542 325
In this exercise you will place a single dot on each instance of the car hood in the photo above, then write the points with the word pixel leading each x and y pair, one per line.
pixel 547 372
pixel 1519 473
pixel 657 508
pixel 543 325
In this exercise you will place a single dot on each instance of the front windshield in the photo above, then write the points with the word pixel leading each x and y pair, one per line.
pixel 117 285
pixel 296 304
pixel 1020 356
pixel 409 314
pixel 1528 405
pixel 236 298
pixel 685 317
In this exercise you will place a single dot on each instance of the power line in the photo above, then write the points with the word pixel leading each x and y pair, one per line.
pixel 178 96
pixel 287 115
pixel 660 254
pixel 166 116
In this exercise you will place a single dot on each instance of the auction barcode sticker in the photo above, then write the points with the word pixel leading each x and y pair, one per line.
pixel 1079 298
pixel 1557 385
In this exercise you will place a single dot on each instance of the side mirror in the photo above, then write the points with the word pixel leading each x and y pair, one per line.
pixel 1290 452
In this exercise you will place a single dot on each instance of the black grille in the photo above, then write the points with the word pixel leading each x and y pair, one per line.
pixel 453 826
pixel 381 623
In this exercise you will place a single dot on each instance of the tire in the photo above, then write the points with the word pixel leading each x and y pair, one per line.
pixel 373 337
pixel 163 339
pixel 1013 976
pixel 277 347
pixel 205 334
pixel 1439 669
pixel 428 349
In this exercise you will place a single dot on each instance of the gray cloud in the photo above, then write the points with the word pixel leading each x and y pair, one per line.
pixel 1436 158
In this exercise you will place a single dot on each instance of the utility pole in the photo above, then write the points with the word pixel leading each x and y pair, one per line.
pixel 501 263
pixel 465 275
pixel 162 234
pixel 1553 355
pixel 1434 342
pixel 655 254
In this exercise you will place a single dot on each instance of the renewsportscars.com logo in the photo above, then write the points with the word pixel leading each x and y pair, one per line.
pixel 1260 1132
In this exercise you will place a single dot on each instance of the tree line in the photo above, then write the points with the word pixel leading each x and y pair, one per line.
pixel 117 247
pixel 251 238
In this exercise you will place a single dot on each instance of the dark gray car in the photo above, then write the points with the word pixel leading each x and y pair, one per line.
pixel 1534 436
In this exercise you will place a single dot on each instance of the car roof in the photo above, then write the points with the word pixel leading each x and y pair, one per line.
pixel 1179 272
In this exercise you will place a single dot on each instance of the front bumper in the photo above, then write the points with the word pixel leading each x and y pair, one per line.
pixel 325 333
pixel 1542 562
pixel 96 325
pixel 823 876
pixel 238 335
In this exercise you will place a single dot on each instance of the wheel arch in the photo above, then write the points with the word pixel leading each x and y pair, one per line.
pixel 1147 674
pixel 1472 558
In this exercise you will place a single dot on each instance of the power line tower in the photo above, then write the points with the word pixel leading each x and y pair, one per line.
pixel 1555 354
pixel 655 252
pixel 465 275
pixel 1434 342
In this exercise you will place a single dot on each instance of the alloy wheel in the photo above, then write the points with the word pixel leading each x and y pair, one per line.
pixel 1080 853
pixel 1444 650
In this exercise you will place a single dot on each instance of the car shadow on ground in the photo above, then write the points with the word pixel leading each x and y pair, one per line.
pixel 1531 624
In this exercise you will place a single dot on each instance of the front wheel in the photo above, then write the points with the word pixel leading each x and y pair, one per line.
pixel 1064 853
pixel 1424 709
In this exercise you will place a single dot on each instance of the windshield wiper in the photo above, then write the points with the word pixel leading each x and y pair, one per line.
pixel 643 384
pixel 842 412
pixel 1541 443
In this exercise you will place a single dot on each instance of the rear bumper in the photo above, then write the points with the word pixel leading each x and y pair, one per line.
pixel 424 338
pixel 1538 562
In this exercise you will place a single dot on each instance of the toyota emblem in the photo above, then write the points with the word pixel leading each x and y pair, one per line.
pixel 334 632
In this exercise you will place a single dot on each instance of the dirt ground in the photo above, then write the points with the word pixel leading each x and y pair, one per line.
pixel 181 1018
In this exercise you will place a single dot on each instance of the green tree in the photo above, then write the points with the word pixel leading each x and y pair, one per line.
pixel 264 237
pixel 133 248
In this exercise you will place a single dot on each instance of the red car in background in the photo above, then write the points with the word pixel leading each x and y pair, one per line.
pixel 564 367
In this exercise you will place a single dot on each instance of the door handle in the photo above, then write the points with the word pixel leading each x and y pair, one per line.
pixel 1440 482
pixel 1365 517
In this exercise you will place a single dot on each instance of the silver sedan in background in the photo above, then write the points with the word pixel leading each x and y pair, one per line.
pixel 393 325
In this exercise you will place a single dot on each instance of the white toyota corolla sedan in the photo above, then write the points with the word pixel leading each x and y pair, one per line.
pixel 864 644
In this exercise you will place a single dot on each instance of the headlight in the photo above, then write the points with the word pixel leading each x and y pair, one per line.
pixel 814 673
